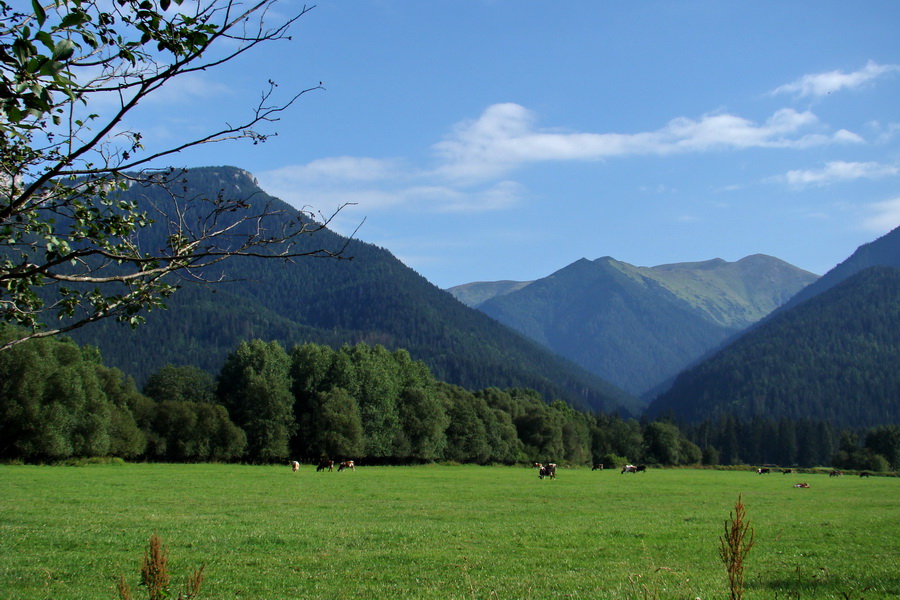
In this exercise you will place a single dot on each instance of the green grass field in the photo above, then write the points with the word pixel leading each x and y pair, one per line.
pixel 443 532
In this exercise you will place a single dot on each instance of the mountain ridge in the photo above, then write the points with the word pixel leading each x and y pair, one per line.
pixel 638 326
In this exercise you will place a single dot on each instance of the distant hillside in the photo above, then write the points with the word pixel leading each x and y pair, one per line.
pixel 373 298
pixel 639 326
pixel 834 357
pixel 473 294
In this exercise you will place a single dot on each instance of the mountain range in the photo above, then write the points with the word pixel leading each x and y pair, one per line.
pixel 639 326
pixel 373 298
pixel 753 316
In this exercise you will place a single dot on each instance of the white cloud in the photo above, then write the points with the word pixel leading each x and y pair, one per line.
pixel 340 168
pixel 504 137
pixel 885 217
pixel 373 184
pixel 837 171
pixel 884 133
pixel 821 84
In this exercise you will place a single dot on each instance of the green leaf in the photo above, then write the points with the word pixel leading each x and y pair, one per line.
pixel 39 13
pixel 63 50
pixel 73 19
pixel 45 38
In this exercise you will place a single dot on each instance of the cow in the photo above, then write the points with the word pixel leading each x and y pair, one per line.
pixel 835 474
pixel 763 471
pixel 548 471
pixel 801 485
pixel 864 474
pixel 295 466
pixel 346 464
pixel 629 469
pixel 597 467
pixel 787 471
pixel 325 464
pixel 640 468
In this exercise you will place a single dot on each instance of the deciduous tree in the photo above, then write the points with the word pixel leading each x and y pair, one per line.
pixel 255 386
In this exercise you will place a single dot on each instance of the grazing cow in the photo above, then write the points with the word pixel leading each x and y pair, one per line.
pixel 763 471
pixel 346 464
pixel 295 466
pixel 597 467
pixel 801 485
pixel 864 474
pixel 640 468
pixel 787 471
pixel 629 469
pixel 537 465
pixel 325 464
pixel 548 471
pixel 835 474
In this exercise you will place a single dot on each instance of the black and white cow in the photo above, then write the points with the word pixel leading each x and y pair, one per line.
pixel 548 471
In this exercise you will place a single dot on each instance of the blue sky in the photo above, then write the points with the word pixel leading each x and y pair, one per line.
pixel 494 139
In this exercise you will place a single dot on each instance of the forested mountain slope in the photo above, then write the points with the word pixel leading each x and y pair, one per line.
pixel 372 298
pixel 834 357
pixel 638 326
pixel 885 252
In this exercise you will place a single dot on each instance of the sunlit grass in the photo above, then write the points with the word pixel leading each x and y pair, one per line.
pixel 443 532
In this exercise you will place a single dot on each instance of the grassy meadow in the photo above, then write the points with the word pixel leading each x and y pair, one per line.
pixel 443 532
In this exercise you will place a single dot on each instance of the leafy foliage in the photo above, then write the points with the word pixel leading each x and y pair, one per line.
pixel 255 387
pixel 58 401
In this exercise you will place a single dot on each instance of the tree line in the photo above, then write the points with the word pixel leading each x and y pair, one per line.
pixel 361 402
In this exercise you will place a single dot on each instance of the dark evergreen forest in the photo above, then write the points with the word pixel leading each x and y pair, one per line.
pixel 834 358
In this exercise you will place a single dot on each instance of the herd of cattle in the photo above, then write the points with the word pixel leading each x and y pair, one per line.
pixel 326 465
pixel 549 470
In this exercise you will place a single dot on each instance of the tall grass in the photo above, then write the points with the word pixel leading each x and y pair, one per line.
pixel 443 532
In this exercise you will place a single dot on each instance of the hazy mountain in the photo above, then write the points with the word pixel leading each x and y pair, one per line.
pixel 473 294
pixel 835 357
pixel 372 298
pixel 638 326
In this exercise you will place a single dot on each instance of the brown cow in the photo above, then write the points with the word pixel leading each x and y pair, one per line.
pixel 346 464
pixel 597 467
pixel 629 469
pixel 801 485
pixel 295 466
pixel 325 464
pixel 762 471
pixel 835 474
